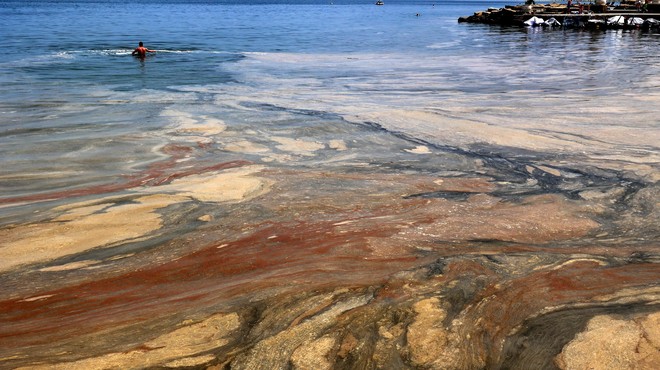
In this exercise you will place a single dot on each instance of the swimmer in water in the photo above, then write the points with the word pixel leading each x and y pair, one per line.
pixel 141 51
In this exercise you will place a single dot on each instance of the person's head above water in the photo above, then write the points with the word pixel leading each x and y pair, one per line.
pixel 140 43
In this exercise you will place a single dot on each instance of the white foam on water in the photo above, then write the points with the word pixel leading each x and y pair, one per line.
pixel 430 98
pixel 40 60
pixel 112 52
pixel 443 45
pixel 192 124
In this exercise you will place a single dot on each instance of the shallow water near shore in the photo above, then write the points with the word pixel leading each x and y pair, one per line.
pixel 324 185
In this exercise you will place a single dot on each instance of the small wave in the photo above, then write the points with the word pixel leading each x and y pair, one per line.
pixel 443 45
pixel 122 52
pixel 176 51
pixel 170 51
pixel 71 54
pixel 59 55
pixel 113 52
pixel 40 60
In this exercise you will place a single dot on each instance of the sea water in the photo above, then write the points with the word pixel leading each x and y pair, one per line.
pixel 77 110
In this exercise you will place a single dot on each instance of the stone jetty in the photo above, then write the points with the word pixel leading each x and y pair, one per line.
pixel 571 14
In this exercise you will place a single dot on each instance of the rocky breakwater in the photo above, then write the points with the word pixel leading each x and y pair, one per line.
pixel 597 16
pixel 513 14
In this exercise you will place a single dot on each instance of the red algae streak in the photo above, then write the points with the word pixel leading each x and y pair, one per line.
pixel 312 251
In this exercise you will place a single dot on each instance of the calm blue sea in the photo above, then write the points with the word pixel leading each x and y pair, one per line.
pixel 87 42
pixel 77 110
